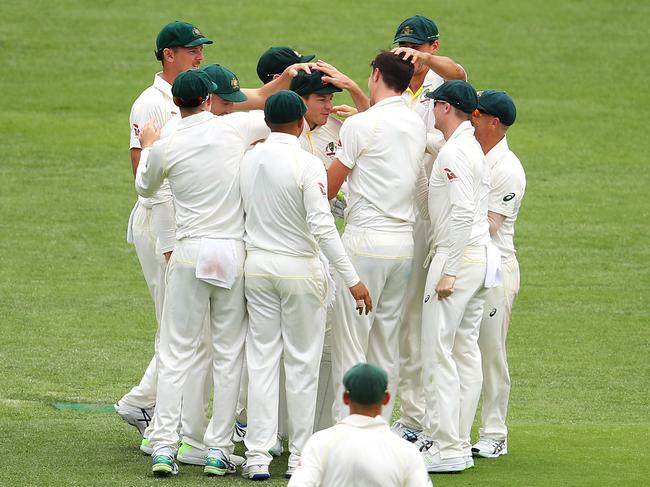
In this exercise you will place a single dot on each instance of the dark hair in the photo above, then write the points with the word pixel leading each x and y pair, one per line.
pixel 395 72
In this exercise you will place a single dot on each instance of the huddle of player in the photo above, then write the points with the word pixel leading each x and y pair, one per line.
pixel 261 304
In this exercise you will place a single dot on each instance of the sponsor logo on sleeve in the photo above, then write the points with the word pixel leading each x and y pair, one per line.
pixel 136 130
pixel 508 197
pixel 322 189
pixel 493 312
pixel 450 174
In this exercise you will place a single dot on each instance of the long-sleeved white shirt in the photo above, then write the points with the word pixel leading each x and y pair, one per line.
pixel 507 188
pixel 323 141
pixel 383 147
pixel 201 159
pixel 284 191
pixel 458 196
pixel 360 450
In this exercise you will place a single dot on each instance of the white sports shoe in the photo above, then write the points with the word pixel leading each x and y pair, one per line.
pixel 239 433
pixel 255 472
pixel 489 448
pixel 190 455
pixel 469 462
pixel 409 434
pixel 145 447
pixel 237 460
pixel 138 417
pixel 277 449
pixel 423 443
pixel 292 465
pixel 435 464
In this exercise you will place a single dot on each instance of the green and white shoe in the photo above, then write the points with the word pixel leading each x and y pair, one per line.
pixel 163 464
pixel 217 463
pixel 145 447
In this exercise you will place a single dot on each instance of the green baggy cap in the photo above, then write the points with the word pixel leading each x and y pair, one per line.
pixel 498 104
pixel 366 383
pixel 417 29
pixel 283 107
pixel 304 84
pixel 180 34
pixel 226 81
pixel 191 88
pixel 276 59
pixel 458 93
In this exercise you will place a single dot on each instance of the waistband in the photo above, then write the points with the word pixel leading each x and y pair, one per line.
pixel 355 230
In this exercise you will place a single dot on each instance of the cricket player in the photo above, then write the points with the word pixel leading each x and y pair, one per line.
pixel 418 41
pixel 179 46
pixel 381 156
pixel 454 291
pixel 496 112
pixel 201 161
pixel 360 449
pixel 320 137
pixel 288 224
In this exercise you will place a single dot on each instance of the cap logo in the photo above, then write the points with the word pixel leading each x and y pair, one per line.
pixel 479 93
pixel 196 32
pixel 407 31
pixel 297 53
pixel 234 83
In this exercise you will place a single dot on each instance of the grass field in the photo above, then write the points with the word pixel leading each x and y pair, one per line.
pixel 77 323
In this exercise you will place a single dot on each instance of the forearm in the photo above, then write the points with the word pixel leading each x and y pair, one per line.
pixel 164 225
pixel 460 228
pixel 359 98
pixel 445 67
pixel 147 181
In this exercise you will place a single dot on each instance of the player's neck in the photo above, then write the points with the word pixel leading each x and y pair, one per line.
pixel 488 143
pixel 370 410
pixel 169 75
pixel 417 80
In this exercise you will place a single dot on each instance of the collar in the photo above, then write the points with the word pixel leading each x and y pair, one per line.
pixel 162 85
pixel 497 152
pixel 391 100
pixel 282 138
pixel 361 421
pixel 465 128
pixel 428 81
pixel 195 119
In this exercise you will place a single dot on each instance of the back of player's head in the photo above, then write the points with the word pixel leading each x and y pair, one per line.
pixel 498 104
pixel 284 107
pixel 366 384
pixel 227 83
pixel 276 59
pixel 191 88
pixel 395 71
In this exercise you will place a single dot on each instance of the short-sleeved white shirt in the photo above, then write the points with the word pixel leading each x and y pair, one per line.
pixel 360 450
pixel 284 192
pixel 155 103
pixel 458 191
pixel 383 147
pixel 201 159
pixel 323 141
pixel 507 188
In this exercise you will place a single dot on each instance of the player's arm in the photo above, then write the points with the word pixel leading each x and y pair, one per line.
pixel 349 149
pixel 336 174
pixel 444 66
pixel 150 174
pixel 257 96
pixel 135 159
pixel 322 226
pixel 340 80
pixel 495 220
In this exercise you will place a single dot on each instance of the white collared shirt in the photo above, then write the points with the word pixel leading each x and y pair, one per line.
pixel 507 188
pixel 201 159
pixel 155 103
pixel 284 192
pixel 383 147
pixel 458 196
pixel 360 450
pixel 323 141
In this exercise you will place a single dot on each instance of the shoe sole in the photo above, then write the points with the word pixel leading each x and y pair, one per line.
pixel 214 471
pixel 447 468
pixel 260 476
pixel 480 454
pixel 191 460
pixel 162 470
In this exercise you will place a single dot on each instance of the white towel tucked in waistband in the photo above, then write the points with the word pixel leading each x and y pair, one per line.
pixel 494 273
pixel 217 262
pixel 331 285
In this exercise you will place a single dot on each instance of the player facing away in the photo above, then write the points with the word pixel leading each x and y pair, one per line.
pixel 288 224
pixel 381 156
pixel 496 112
pixel 360 449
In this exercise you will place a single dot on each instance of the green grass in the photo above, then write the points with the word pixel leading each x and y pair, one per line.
pixel 77 323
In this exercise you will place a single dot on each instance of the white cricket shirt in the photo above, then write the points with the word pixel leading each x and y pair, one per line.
pixel 507 188
pixel 201 159
pixel 284 192
pixel 458 196
pixel 155 103
pixel 360 450
pixel 383 147
pixel 323 141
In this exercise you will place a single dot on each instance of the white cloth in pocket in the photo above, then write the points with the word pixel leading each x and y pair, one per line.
pixel 129 227
pixel 494 273
pixel 217 262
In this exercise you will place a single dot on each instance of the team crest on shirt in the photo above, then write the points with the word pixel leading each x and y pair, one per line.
pixel 322 189
pixel 407 31
pixel 136 130
pixel 450 174
pixel 330 149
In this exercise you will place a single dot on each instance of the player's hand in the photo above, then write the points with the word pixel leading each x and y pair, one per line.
pixel 294 69
pixel 337 207
pixel 362 297
pixel 417 58
pixel 333 76
pixel 445 286
pixel 149 134
pixel 344 111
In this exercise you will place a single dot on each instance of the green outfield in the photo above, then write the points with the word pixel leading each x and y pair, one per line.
pixel 76 320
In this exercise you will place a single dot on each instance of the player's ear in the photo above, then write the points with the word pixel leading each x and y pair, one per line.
pixel 346 398
pixel 386 398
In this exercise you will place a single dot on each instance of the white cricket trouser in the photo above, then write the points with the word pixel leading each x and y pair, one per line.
pixel 383 261
pixel 325 397
pixel 411 395
pixel 187 301
pixel 286 307
pixel 199 386
pixel 492 342
pixel 451 359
